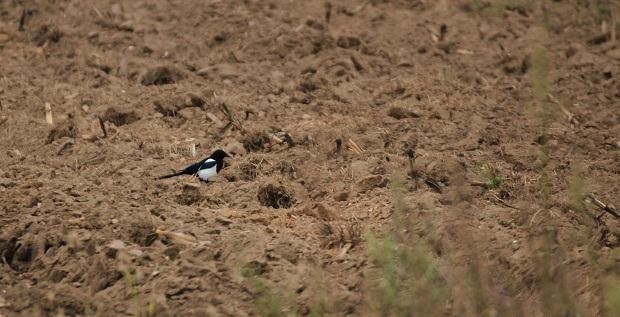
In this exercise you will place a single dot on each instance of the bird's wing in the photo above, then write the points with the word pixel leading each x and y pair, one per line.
pixel 208 164
pixel 192 169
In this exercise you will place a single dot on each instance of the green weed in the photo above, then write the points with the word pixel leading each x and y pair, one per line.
pixel 612 296
pixel 406 281
pixel 491 175
pixel 544 113
pixel 268 303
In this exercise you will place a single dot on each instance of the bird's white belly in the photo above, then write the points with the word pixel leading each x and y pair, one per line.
pixel 207 173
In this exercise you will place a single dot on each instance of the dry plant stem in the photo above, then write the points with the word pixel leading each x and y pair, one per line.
pixel 608 208
pixel 480 184
pixel 354 147
pixel 571 117
pixel 504 202
pixel 361 6
pixel 215 120
pixel 65 146
pixel 231 118
pixel 48 113
pixel 22 21
pixel 176 237
pixel 433 184
pixel 98 12
pixel 102 126
pixel 275 138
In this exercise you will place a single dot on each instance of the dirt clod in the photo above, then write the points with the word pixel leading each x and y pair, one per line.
pixel 46 33
pixel 142 233
pixel 256 141
pixel 520 86
pixel 367 183
pixel 64 129
pixel 189 195
pixel 119 118
pixel 161 75
pixel 287 169
pixel 348 42
pixel 397 112
pixel 275 196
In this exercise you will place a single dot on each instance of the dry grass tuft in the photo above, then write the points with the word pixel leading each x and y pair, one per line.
pixel 335 235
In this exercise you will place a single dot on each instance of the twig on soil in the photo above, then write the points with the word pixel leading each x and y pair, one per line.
pixel 328 11
pixel 48 114
pixel 65 146
pixel 98 12
pixel 275 138
pixel 433 184
pixel 102 126
pixel 606 207
pixel 215 120
pixel 479 184
pixel 94 160
pixel 464 52
pixel 354 147
pixel 503 202
pixel 534 216
pixel 571 117
pixel 22 21
pixel 411 155
pixel 176 237
pixel 361 7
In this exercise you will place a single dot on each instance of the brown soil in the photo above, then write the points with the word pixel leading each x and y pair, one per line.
pixel 79 208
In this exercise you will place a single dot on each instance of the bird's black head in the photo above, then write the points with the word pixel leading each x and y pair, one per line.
pixel 219 155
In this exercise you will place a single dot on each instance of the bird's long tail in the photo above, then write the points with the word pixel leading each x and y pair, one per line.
pixel 172 175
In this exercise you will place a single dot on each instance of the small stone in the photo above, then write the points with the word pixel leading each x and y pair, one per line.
pixel 111 250
pixel 370 182
pixel 7 182
pixel 135 252
pixel 116 9
pixel 188 113
pixel 194 100
pixel 348 42
pixel 172 252
pixel 126 26
pixel 223 220
pixel 325 213
pixel 608 73
pixel 15 153
pixel 4 38
pixel 225 71
pixel 235 148
pixel 116 244
pixel 342 196
pixel 92 34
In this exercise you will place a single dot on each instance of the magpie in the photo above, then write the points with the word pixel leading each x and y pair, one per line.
pixel 205 169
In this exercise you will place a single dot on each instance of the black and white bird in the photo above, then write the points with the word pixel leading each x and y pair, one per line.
pixel 205 169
